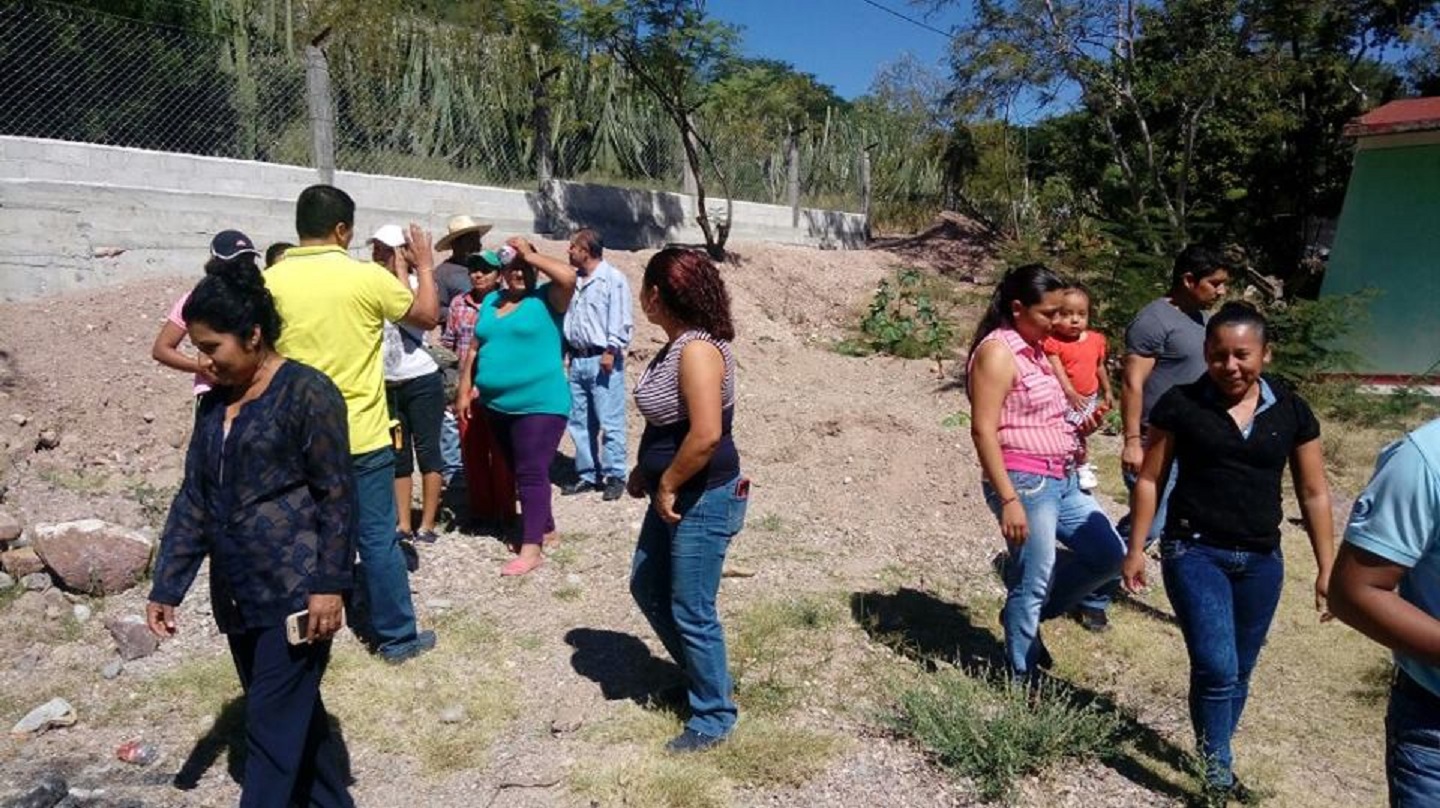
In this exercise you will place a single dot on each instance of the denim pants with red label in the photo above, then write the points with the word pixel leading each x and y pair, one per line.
pixel 675 578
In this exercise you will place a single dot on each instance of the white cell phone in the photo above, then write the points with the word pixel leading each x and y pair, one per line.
pixel 297 628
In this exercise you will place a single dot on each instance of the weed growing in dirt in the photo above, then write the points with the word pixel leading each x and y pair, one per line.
pixel 771 523
pixel 956 420
pixel 569 593
pixel 154 501
pixel 563 556
pixel 905 318
pixel 998 734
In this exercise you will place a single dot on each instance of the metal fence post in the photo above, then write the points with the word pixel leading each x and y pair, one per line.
pixel 792 173
pixel 865 187
pixel 322 111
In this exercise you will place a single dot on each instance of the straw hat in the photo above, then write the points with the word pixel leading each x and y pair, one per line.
pixel 459 226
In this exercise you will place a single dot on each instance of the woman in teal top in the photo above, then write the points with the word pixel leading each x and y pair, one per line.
pixel 516 364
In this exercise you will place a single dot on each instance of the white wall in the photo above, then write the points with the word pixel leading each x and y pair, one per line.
pixel 77 214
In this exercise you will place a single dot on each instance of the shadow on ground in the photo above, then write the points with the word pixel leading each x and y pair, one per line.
pixel 227 736
pixel 931 631
pixel 621 664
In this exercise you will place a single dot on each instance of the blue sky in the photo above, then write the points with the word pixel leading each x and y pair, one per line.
pixel 842 42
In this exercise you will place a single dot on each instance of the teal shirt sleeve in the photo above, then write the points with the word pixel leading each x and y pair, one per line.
pixel 1395 517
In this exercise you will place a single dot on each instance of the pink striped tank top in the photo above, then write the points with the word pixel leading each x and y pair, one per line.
pixel 1034 435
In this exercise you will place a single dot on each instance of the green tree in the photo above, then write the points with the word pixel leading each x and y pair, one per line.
pixel 673 50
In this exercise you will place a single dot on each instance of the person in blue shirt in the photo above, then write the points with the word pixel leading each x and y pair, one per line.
pixel 269 498
pixel 598 326
pixel 1386 584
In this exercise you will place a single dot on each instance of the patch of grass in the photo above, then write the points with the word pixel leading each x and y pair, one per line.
pixel 80 482
pixel 563 556
pixel 770 523
pixel 761 753
pixel 995 735
pixel 568 593
pixel 764 753
pixel 651 782
pixel 776 646
pixel 198 686
pixel 396 710
pixel 154 501
pixel 851 346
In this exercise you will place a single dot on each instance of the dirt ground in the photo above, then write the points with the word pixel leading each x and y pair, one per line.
pixel 866 504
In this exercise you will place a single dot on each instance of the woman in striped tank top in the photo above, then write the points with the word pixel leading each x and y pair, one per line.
pixel 689 468
pixel 1028 454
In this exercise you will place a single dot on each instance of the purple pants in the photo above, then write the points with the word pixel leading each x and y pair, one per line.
pixel 529 443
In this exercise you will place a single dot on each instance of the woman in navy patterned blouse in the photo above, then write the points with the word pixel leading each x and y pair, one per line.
pixel 268 497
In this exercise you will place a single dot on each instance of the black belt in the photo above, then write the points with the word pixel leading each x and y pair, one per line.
pixel 1416 691
pixel 584 353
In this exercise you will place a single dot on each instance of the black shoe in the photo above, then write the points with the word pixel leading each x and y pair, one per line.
pixel 692 741
pixel 1216 796
pixel 412 556
pixel 1092 620
pixel 614 489
pixel 424 641
pixel 577 487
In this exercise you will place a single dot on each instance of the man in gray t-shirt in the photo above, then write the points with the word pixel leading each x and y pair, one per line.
pixel 1164 346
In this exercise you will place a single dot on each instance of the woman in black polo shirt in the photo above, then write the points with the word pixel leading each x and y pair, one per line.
pixel 1232 432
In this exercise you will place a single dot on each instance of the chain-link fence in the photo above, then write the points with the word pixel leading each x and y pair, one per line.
pixel 72 74
pixel 402 101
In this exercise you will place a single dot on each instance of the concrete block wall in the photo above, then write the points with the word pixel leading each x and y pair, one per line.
pixel 74 215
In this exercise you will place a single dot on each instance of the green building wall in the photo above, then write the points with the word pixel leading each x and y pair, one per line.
pixel 1388 240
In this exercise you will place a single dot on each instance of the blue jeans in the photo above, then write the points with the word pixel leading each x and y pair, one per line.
pixel 1412 748
pixel 597 418
pixel 1041 581
pixel 389 614
pixel 450 447
pixel 674 580
pixel 1100 598
pixel 1224 601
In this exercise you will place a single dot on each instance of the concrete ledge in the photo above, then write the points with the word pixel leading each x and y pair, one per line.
pixel 77 214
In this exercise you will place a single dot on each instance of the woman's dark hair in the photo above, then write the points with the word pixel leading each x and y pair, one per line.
pixel 1027 284
pixel 1199 261
pixel 1238 313
pixel 275 252
pixel 691 290
pixel 223 266
pixel 235 301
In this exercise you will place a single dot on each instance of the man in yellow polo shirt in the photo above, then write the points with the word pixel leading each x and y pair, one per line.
pixel 334 308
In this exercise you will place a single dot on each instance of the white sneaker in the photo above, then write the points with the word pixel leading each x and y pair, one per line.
pixel 1088 480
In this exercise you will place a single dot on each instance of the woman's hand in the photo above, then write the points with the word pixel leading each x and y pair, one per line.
pixel 664 503
pixel 1094 420
pixel 635 486
pixel 1132 572
pixel 522 246
pixel 160 617
pixel 327 615
pixel 1013 525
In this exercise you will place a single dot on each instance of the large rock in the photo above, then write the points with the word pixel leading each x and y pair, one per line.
pixel 93 556
pixel 133 639
pixel 10 527
pixel 21 561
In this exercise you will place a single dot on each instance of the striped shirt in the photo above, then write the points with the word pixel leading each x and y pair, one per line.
pixel 1034 435
pixel 667 421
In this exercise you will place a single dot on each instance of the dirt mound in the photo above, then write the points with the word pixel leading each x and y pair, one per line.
pixel 954 244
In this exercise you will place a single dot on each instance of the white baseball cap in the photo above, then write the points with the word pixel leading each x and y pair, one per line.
pixel 390 235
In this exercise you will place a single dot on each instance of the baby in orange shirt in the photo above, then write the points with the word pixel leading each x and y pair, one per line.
pixel 1078 356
